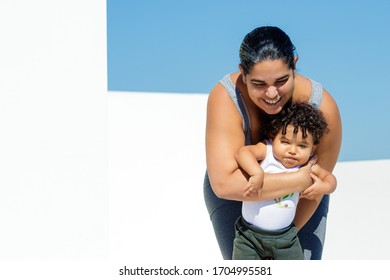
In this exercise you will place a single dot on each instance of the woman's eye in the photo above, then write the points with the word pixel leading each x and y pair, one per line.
pixel 281 82
pixel 259 85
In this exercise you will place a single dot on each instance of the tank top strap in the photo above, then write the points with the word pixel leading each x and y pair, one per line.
pixel 269 153
pixel 235 95
pixel 316 93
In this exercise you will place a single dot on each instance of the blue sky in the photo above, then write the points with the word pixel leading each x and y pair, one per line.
pixel 187 46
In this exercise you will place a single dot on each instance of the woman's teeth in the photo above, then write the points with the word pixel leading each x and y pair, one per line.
pixel 272 101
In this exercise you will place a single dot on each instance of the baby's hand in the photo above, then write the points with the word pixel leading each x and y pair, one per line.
pixel 254 186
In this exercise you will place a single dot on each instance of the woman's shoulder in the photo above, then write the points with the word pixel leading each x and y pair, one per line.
pixel 226 85
pixel 234 76
pixel 223 94
pixel 229 79
pixel 303 88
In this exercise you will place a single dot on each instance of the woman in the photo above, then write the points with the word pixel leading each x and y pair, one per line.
pixel 237 109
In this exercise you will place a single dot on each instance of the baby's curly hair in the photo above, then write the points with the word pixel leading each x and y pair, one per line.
pixel 302 116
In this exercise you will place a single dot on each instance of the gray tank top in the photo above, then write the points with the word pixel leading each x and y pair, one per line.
pixel 226 81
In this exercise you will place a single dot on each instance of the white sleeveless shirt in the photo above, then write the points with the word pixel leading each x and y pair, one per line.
pixel 272 214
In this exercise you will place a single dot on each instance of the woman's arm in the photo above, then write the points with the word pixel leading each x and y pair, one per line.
pixel 327 154
pixel 224 137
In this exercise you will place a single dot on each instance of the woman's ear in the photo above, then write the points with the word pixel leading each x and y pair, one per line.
pixel 242 73
pixel 295 65
pixel 295 61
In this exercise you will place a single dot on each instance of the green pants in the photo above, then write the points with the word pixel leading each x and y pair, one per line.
pixel 252 243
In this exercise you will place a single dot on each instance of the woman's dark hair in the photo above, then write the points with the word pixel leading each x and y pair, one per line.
pixel 266 43
pixel 301 116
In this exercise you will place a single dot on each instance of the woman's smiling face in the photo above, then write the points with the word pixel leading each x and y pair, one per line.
pixel 270 85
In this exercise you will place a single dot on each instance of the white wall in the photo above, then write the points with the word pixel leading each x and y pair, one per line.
pixel 358 222
pixel 156 167
pixel 53 125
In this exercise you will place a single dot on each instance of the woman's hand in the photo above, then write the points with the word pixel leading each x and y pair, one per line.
pixel 316 190
pixel 305 174
pixel 323 183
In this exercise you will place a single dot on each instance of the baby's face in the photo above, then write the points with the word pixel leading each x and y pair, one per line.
pixel 292 149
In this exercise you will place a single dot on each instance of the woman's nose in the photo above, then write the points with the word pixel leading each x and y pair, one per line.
pixel 272 92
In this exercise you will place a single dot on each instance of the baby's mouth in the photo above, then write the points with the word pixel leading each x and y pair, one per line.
pixel 290 161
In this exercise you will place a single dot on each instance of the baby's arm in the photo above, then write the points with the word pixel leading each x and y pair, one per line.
pixel 248 158
pixel 324 183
